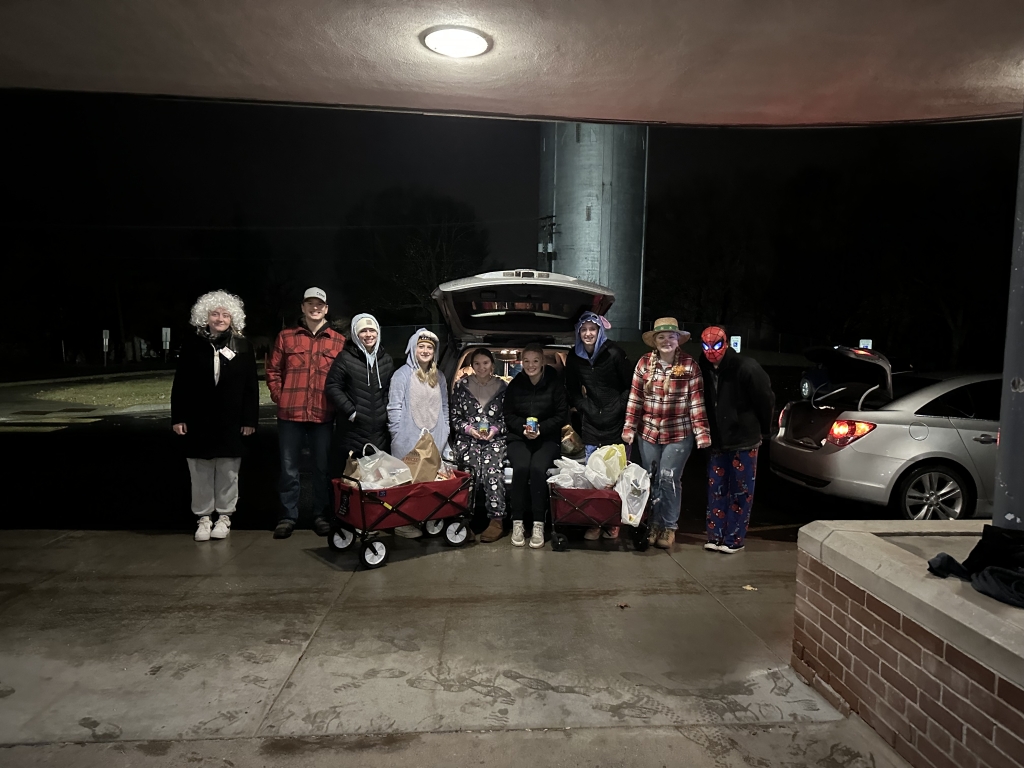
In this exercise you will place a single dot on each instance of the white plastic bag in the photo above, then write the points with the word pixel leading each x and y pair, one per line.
pixel 382 470
pixel 561 480
pixel 605 465
pixel 634 488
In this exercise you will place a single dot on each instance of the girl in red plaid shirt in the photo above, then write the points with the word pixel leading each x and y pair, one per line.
pixel 666 407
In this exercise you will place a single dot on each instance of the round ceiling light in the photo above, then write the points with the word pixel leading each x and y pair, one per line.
pixel 456 42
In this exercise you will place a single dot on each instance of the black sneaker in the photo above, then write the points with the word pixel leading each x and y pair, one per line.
pixel 321 527
pixel 284 529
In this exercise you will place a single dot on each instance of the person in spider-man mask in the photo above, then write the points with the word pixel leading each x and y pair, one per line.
pixel 739 400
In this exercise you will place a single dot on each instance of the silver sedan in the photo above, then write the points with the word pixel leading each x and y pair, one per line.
pixel 924 446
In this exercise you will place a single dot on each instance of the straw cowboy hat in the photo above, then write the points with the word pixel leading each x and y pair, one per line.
pixel 663 324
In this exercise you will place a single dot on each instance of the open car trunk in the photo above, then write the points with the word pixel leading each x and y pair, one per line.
pixel 517 306
pixel 854 380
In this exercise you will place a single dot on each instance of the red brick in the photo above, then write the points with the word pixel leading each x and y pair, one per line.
pixel 976 671
pixel 814 632
pixel 938 736
pixel 1011 694
pixel 967 712
pixel 829 645
pixel 798 619
pixel 848 624
pixel 945 674
pixel 819 602
pixel 882 728
pixel 899 682
pixel 833 666
pixel 804 671
pixel 902 643
pixel 846 693
pixel 882 650
pixel 882 611
pixel 963 756
pixel 865 618
pixel 896 700
pixel 822 571
pixel 861 652
pixel 798 648
pixel 802 639
pixel 864 695
pixel 990 756
pixel 807 610
pixel 837 598
pixel 830 627
pixel 923 637
pixel 928 685
pixel 943 717
pixel 861 671
pixel 808 579
pixel 803 560
pixel 876 684
pixel 908 753
pixel 937 757
pixel 918 719
pixel 1010 744
pixel 845 658
pixel 998 710
pixel 818 666
pixel 851 590
pixel 830 695
pixel 801 591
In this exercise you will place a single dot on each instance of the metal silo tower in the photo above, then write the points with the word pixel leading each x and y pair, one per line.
pixel 593 205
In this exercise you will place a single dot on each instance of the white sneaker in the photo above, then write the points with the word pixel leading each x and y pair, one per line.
pixel 729 550
pixel 593 534
pixel 408 532
pixel 203 528
pixel 712 547
pixel 518 534
pixel 220 530
pixel 537 540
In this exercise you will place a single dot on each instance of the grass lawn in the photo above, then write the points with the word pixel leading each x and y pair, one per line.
pixel 122 393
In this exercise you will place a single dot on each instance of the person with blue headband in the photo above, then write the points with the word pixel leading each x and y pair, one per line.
pixel 597 382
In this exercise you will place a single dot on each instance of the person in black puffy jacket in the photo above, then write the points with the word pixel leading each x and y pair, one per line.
pixel 598 376
pixel 358 385
pixel 535 412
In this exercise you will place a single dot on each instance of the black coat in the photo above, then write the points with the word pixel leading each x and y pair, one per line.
pixel 607 383
pixel 545 401
pixel 347 387
pixel 739 400
pixel 214 414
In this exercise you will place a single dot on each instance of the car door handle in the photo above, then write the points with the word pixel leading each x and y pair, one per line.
pixel 985 439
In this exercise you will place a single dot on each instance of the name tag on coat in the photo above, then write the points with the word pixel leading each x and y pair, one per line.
pixel 228 354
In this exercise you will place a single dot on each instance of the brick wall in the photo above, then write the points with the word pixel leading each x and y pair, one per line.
pixel 937 706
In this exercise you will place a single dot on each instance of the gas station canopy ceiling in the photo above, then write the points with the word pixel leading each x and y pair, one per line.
pixel 718 62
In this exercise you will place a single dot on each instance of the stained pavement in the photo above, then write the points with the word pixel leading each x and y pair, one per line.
pixel 146 648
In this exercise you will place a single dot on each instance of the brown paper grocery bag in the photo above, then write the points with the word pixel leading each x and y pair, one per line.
pixel 424 459
pixel 351 470
pixel 572 444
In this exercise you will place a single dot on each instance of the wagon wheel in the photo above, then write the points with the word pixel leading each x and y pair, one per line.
pixel 340 539
pixel 433 527
pixel 374 554
pixel 456 533
pixel 640 534
pixel 559 542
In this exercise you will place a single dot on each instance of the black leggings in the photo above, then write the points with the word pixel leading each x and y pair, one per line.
pixel 531 460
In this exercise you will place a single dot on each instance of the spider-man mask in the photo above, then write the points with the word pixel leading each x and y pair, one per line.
pixel 714 344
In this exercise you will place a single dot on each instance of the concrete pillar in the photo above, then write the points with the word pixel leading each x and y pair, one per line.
pixel 593 206
pixel 1008 510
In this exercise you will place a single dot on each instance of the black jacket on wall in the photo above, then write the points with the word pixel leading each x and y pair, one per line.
pixel 607 382
pixel 739 400
pixel 545 401
pixel 214 414
pixel 350 391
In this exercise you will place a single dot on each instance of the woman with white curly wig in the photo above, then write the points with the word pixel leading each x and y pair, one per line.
pixel 214 405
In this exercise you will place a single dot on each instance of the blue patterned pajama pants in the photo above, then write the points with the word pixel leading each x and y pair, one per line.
pixel 731 477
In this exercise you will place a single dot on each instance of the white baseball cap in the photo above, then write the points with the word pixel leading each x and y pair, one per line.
pixel 315 293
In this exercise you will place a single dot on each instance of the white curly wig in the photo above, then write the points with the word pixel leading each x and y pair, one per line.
pixel 208 302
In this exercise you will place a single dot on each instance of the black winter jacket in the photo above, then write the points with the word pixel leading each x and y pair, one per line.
pixel 740 402
pixel 215 414
pixel 545 401
pixel 607 383
pixel 351 391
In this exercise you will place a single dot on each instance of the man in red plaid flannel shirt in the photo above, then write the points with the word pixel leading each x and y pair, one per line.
pixel 666 406
pixel 296 375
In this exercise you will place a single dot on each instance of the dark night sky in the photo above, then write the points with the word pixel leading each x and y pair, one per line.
pixel 155 200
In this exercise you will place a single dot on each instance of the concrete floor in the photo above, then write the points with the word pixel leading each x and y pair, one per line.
pixel 150 649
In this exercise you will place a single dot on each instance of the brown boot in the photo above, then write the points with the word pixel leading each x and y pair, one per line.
pixel 666 539
pixel 493 532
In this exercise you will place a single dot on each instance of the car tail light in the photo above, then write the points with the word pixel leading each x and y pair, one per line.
pixel 844 431
pixel 783 416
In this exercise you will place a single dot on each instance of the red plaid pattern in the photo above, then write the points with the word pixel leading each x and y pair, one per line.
pixel 674 409
pixel 297 372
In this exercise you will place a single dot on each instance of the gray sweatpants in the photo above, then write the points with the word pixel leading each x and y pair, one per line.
pixel 214 485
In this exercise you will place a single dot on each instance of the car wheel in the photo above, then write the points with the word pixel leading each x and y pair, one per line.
pixel 935 492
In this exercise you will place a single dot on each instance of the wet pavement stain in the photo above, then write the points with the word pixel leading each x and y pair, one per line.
pixel 5 690
pixel 154 748
pixel 288 746
pixel 101 731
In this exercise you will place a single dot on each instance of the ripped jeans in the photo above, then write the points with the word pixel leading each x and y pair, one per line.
pixel 665 486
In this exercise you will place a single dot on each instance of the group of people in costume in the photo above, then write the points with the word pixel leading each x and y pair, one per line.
pixel 329 388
